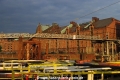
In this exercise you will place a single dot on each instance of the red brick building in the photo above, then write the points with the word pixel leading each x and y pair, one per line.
pixel 105 29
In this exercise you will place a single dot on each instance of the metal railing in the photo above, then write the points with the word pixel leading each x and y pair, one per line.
pixel 58 70
pixel 47 35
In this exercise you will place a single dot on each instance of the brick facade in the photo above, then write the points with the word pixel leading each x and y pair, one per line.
pixel 105 28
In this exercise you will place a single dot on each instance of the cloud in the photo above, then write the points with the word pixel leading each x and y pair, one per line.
pixel 24 15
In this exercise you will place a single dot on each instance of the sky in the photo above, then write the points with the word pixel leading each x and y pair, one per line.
pixel 23 16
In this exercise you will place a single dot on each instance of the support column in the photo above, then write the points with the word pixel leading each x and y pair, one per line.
pixel 102 57
pixel 102 76
pixel 107 48
pixel 90 76
pixel 103 48
pixel 108 51
pixel 112 51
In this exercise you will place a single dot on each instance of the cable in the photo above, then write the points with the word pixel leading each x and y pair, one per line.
pixel 99 9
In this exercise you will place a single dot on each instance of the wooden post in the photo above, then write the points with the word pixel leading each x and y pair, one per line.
pixel 108 51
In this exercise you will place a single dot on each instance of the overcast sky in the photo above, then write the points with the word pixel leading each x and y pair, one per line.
pixel 24 15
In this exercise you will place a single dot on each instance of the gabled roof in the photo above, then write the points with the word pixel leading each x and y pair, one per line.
pixel 53 29
pixel 72 27
pixel 83 25
pixel 41 28
pixel 103 22
pixel 44 27
pixel 98 23
pixel 63 30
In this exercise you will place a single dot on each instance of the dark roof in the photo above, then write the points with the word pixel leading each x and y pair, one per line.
pixel 98 24
pixel 83 25
pixel 73 29
pixel 103 22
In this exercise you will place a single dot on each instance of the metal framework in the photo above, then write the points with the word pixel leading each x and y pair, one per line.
pixel 47 36
pixel 53 70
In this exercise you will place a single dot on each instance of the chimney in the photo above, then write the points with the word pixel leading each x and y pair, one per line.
pixel 95 19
